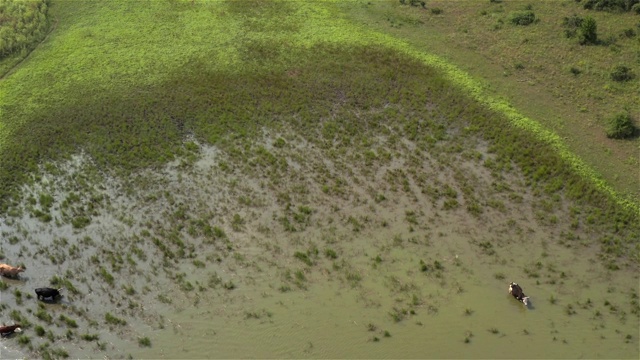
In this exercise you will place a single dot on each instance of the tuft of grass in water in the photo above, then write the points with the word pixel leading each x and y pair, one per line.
pixel 113 320
pixel 330 254
pixel 68 321
pixel 90 337
pixel 468 311
pixel 303 257
pixel 144 342
pixel 39 330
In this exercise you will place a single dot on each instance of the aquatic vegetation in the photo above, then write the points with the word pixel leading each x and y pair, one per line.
pixel 113 320
pixel 144 342
pixel 90 337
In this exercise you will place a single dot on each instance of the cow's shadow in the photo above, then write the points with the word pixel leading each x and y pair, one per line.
pixel 530 306
pixel 9 336
pixel 14 280
pixel 60 300
pixel 520 304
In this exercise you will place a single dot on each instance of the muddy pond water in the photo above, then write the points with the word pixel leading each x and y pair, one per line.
pixel 242 274
pixel 466 314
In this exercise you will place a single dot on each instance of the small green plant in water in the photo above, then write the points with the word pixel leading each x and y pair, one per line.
pixel 144 342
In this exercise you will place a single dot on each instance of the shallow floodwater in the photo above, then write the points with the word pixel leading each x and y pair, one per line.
pixel 404 278
pixel 331 319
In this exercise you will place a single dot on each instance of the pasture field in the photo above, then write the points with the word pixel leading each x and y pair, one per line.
pixel 542 72
pixel 300 180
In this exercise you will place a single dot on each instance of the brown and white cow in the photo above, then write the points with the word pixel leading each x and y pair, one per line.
pixel 9 329
pixel 10 271
pixel 516 291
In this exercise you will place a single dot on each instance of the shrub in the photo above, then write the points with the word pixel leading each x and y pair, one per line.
pixel 588 31
pixel 621 127
pixel 24 23
pixel 621 73
pixel 523 18
pixel 628 33
pixel 436 11
pixel 414 3
pixel 636 8
pixel 610 5
pixel 572 24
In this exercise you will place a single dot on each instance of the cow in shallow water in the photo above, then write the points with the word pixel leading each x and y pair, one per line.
pixel 47 292
pixel 9 329
pixel 516 291
pixel 10 271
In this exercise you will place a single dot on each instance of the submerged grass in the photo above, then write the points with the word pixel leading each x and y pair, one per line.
pixel 221 72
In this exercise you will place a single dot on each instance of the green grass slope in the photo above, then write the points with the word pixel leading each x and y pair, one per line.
pixel 541 69
pixel 127 81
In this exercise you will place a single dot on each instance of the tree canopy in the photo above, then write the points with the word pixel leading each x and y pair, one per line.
pixel 22 24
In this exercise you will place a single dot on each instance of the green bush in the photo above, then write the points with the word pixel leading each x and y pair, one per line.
pixel 621 127
pixel 588 31
pixel 523 17
pixel 621 73
pixel 24 23
pixel 628 33
pixel 636 8
pixel 413 3
pixel 610 5
pixel 572 24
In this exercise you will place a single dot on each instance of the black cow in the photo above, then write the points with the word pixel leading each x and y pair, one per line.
pixel 9 329
pixel 518 293
pixel 47 292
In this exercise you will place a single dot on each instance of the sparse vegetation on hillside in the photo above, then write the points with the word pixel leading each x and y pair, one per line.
pixel 555 81
pixel 609 5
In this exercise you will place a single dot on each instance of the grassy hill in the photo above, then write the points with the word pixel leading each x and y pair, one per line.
pixel 546 74
pixel 82 76
pixel 127 89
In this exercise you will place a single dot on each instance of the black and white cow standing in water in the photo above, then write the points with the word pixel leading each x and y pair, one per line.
pixel 516 291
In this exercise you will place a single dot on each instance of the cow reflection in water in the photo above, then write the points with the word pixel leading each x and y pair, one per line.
pixel 516 291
